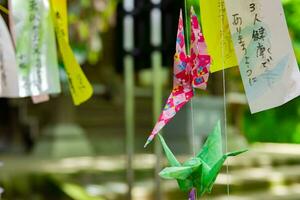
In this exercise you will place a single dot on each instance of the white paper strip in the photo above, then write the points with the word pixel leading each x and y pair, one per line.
pixel 8 64
pixel 267 61
pixel 35 47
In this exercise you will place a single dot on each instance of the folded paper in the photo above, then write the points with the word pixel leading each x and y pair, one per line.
pixel 199 173
pixel 80 87
pixel 188 5
pixel 267 61
pixel 9 82
pixel 35 47
pixel 190 71
pixel 217 34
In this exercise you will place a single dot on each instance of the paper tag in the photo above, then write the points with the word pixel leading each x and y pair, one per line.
pixel 81 89
pixel 212 14
pixel 267 61
pixel 9 86
pixel 35 47
pixel 59 11
pixel 40 99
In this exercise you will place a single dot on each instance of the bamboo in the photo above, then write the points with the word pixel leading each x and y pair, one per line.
pixel 128 45
pixel 156 59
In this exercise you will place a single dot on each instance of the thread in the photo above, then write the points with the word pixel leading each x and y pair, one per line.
pixel 221 4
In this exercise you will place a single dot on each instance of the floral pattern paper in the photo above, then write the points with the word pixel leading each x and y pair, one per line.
pixel 190 71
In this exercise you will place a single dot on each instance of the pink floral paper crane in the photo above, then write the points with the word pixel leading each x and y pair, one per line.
pixel 190 71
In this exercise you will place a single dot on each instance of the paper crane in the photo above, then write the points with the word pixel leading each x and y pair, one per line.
pixel 199 173
pixel 190 71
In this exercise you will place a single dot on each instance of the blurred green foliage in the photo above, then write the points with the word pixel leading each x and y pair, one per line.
pixel 280 124
pixel 88 20
pixel 292 11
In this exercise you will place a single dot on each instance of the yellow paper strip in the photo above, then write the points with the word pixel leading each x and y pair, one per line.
pixel 211 23
pixel 59 11
pixel 80 87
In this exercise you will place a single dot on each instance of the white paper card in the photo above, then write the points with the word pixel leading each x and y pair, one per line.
pixel 263 46
pixel 35 47
pixel 40 99
pixel 8 64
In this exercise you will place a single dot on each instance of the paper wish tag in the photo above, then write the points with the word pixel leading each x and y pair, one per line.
pixel 80 87
pixel 267 61
pixel 217 34
pixel 35 47
pixel 8 64
pixel 40 99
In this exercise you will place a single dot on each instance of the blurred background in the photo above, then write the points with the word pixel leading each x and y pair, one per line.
pixel 56 151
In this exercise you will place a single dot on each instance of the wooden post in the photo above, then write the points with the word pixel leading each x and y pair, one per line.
pixel 156 60
pixel 128 46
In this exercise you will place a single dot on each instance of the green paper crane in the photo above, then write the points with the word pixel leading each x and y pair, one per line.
pixel 199 172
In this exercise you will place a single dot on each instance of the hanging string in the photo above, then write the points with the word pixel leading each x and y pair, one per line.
pixel 221 4
pixel 3 9
pixel 187 31
pixel 193 135
pixel 193 128
pixel 187 11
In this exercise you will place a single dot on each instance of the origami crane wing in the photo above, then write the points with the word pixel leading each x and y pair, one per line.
pixel 184 171
pixel 212 150
pixel 182 87
pixel 180 66
pixel 200 60
pixel 179 173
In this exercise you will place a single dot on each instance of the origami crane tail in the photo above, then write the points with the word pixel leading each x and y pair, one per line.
pixel 184 185
pixel 200 59
pixel 181 174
